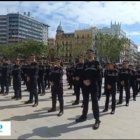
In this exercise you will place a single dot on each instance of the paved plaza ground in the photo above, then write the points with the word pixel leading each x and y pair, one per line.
pixel 35 123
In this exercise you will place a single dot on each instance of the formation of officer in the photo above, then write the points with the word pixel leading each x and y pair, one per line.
pixel 84 77
pixel 77 79
pixel 91 74
pixel 5 76
pixel 56 81
pixel 16 73
pixel 111 76
pixel 41 78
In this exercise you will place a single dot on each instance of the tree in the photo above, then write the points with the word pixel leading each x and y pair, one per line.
pixel 109 47
pixel 25 48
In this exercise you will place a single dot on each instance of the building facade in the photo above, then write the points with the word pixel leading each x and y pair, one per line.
pixel 70 45
pixel 20 27
pixel 114 29
pixel 133 51
pixel 51 42
pixel 3 29
pixel 130 48
pixel 73 44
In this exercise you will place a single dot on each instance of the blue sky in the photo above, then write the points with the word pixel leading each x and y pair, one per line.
pixel 79 15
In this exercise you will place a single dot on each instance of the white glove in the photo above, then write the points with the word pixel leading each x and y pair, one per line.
pixel 87 82
pixel 77 78
pixel 51 83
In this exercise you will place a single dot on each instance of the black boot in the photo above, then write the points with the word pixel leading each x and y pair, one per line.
pixel 35 105
pixel 52 110
pixel 75 103
pixel 13 97
pixel 81 119
pixel 29 102
pixel 112 112
pixel 60 113
pixel 61 109
pixel 53 107
pixel 97 124
pixel 119 103
pixel 105 110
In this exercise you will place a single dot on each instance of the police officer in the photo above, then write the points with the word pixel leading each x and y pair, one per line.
pixel 100 83
pixel 41 79
pixel 56 80
pixel 25 70
pixel 118 67
pixel 137 79
pixel 0 75
pixel 23 76
pixel 133 80
pixel 10 71
pixel 124 78
pixel 110 87
pixel 90 79
pixel 71 75
pixel 105 71
pixel 78 82
pixel 16 73
pixel 47 72
pixel 5 76
pixel 32 76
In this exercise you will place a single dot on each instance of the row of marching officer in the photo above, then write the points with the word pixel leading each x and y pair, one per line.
pixel 34 74
pixel 37 77
pixel 87 76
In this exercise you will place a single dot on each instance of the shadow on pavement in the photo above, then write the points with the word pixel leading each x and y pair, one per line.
pixel 55 131
pixel 90 116
pixel 30 116
pixel 18 105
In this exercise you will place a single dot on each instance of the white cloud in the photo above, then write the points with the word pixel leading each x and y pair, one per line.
pixel 86 12
pixel 74 13
pixel 94 12
pixel 139 48
pixel 133 33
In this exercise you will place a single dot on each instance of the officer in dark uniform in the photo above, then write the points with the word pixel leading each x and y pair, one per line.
pixel 67 73
pixel 32 77
pixel 47 72
pixel 133 81
pixel 91 74
pixel 10 72
pixel 137 79
pixel 124 78
pixel 25 71
pixel 23 77
pixel 104 75
pixel 56 80
pixel 16 73
pixel 0 75
pixel 5 76
pixel 78 82
pixel 41 79
pixel 110 87
pixel 119 66
pixel 100 83
pixel 71 75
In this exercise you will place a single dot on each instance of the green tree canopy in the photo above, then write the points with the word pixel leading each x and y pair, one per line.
pixel 24 49
pixel 109 47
